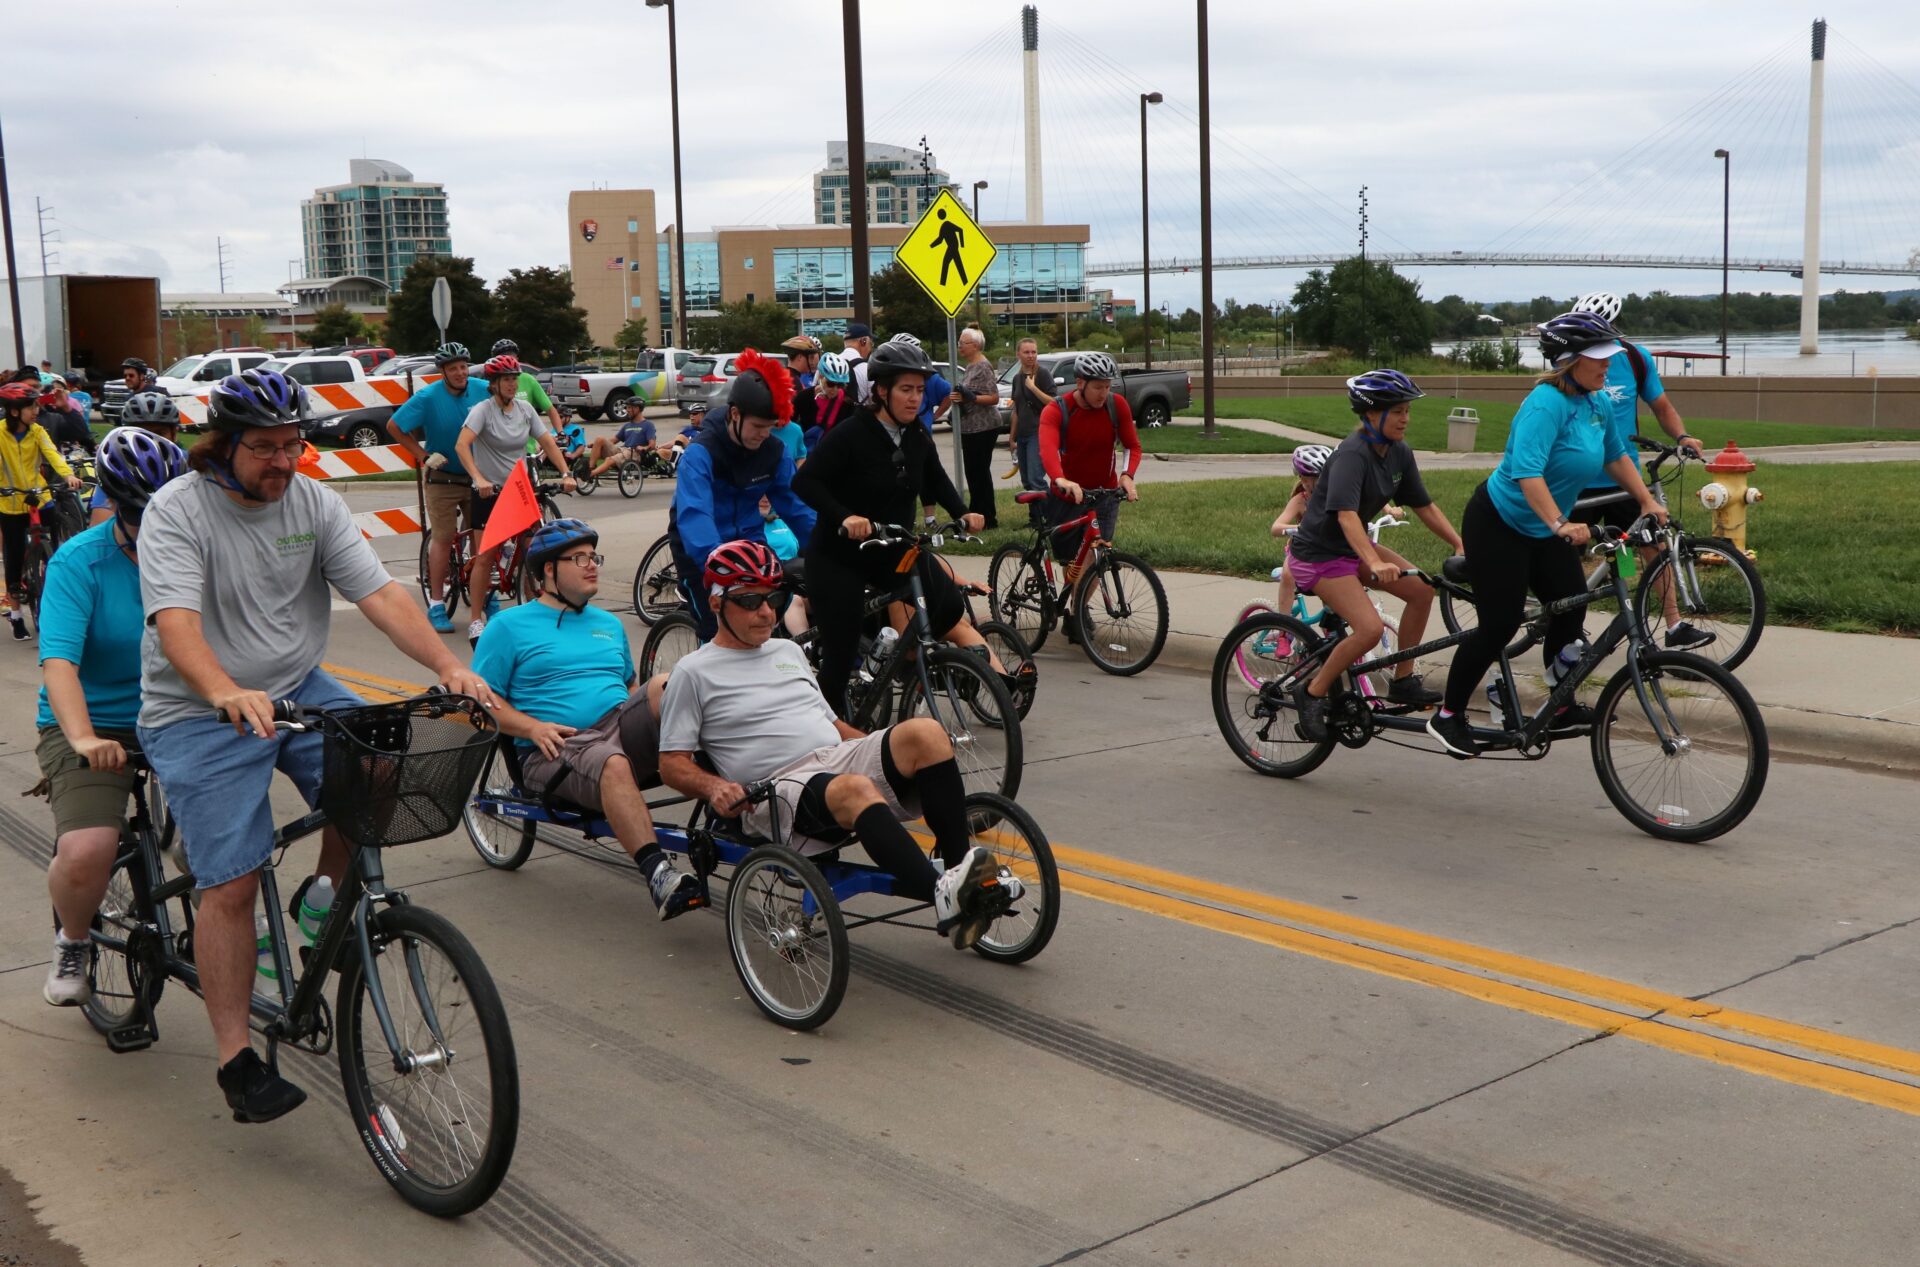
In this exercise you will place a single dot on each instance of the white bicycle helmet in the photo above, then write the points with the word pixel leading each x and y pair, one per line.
pixel 1093 365
pixel 1310 459
pixel 903 337
pixel 1600 303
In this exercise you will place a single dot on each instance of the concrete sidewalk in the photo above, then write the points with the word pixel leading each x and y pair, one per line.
pixel 1829 696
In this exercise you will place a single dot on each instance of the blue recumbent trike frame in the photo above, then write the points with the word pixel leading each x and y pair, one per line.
pixel 786 928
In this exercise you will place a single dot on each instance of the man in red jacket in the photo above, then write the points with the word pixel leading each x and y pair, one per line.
pixel 1079 434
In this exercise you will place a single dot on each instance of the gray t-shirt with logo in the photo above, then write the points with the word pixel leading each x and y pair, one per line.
pixel 752 712
pixel 500 436
pixel 258 575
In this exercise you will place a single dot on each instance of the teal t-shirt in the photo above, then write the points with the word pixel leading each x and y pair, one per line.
pixel 1627 392
pixel 1565 440
pixel 90 616
pixel 567 667
pixel 436 414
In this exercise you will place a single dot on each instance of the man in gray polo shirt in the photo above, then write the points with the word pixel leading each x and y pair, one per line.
pixel 238 561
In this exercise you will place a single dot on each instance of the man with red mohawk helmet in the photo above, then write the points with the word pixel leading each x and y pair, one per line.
pixel 728 468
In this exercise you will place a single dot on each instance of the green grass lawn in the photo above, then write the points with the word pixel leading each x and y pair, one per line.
pixel 1330 415
pixel 1829 551
pixel 1229 439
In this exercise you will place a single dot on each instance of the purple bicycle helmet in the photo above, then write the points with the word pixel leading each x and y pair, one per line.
pixel 1380 389
pixel 132 464
pixel 255 398
pixel 1575 332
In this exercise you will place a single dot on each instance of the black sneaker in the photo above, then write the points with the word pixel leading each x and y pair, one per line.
pixel 20 633
pixel 1574 719
pixel 254 1092
pixel 1412 689
pixel 1312 725
pixel 1684 637
pixel 1455 735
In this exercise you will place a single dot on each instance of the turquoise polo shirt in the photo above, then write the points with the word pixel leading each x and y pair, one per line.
pixel 564 667
pixel 436 415
pixel 90 616
pixel 1565 440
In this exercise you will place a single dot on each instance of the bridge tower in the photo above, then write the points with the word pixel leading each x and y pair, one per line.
pixel 1810 259
pixel 1030 67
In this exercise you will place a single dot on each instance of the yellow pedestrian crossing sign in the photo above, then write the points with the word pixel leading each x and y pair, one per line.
pixel 946 253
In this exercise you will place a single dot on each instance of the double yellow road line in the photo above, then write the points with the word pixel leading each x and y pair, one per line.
pixel 1765 1045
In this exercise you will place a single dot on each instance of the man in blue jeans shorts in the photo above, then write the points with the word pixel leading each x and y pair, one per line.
pixel 238 561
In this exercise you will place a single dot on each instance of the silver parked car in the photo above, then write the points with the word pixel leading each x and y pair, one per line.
pixel 700 382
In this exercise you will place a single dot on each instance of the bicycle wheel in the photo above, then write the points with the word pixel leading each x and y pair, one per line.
pixel 501 842
pixel 674 635
pixel 972 705
pixel 1715 589
pixel 1017 592
pixel 1713 778
pixel 656 583
pixel 126 982
pixel 787 936
pixel 1457 614
pixel 1023 931
pixel 1121 609
pixel 584 481
pixel 441 1132
pixel 33 578
pixel 1256 718
pixel 632 479
pixel 549 509
pixel 1017 658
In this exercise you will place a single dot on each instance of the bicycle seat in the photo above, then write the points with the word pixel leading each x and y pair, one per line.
pixel 1455 569
pixel 1027 499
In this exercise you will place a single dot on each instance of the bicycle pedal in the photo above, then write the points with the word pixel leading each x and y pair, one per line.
pixel 129 1038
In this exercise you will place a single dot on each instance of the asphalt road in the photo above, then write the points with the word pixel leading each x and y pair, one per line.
pixel 1404 1011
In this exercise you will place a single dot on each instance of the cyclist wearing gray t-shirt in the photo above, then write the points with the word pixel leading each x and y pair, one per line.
pixel 237 561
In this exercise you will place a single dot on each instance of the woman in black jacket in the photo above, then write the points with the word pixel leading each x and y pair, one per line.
pixel 878 467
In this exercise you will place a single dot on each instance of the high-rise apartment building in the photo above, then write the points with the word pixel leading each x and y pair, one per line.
pixel 375 225
pixel 898 190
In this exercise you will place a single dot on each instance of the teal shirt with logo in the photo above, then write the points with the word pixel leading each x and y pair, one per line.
pixel 557 666
pixel 1565 440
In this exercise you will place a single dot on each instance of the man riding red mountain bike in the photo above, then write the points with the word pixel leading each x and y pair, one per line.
pixel 1079 435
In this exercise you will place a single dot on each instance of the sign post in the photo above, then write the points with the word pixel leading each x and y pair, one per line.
pixel 442 305
pixel 948 254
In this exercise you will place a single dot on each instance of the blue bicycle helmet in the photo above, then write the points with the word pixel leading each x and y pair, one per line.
pixel 255 398
pixel 132 465
pixel 1570 333
pixel 550 541
pixel 150 410
pixel 1380 389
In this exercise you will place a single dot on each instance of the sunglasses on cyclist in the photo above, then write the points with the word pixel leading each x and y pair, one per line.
pixel 751 602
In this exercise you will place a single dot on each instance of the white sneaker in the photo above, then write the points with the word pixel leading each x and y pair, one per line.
pixel 67 980
pixel 959 897
pixel 474 629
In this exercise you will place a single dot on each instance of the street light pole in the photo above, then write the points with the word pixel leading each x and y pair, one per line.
pixel 1146 266
pixel 13 273
pixel 1206 230
pixel 1726 210
pixel 857 159
pixel 679 204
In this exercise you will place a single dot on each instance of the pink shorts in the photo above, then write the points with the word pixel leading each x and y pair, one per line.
pixel 1307 575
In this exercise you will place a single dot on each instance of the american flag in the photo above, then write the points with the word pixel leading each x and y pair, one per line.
pixel 616 262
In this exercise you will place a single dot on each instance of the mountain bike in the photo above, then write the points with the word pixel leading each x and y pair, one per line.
pixel 1118 608
pixel 426 1056
pixel 1714 587
pixel 510 579
pixel 1677 742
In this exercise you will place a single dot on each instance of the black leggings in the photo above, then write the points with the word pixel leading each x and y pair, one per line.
pixel 13 539
pixel 1503 565
pixel 837 595
pixel 976 454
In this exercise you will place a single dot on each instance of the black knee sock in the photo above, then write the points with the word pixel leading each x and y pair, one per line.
pixel 943 802
pixel 648 856
pixel 886 841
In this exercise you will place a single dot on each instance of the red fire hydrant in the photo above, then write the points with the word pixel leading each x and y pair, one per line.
pixel 1729 495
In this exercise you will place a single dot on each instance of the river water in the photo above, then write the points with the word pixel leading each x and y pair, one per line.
pixel 1842 353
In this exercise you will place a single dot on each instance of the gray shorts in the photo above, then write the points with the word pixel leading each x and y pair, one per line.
pixel 628 729
pixel 854 756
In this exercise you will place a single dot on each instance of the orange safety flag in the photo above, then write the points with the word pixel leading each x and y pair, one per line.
pixel 514 512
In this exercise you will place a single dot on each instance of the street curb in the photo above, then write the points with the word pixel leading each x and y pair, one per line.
pixel 1889 746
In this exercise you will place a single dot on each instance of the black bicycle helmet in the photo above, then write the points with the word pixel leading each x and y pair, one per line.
pixel 506 347
pixel 134 363
pixel 762 387
pixel 255 398
pixel 1380 389
pixel 1572 332
pixel 890 360
pixel 150 410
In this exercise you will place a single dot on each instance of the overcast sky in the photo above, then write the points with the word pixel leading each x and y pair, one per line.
pixel 170 124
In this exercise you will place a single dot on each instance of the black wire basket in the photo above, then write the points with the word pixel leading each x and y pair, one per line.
pixel 396 774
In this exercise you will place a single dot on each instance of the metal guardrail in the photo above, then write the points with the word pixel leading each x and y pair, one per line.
pixel 1739 264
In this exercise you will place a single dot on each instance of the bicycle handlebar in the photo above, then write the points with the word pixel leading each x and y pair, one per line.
pixel 895 534
pixel 293 715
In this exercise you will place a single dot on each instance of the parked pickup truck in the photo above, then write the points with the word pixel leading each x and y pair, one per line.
pixel 613 394
pixel 1155 396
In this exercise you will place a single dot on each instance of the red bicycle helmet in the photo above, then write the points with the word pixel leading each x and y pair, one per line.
pixel 20 395
pixel 742 563
pixel 503 366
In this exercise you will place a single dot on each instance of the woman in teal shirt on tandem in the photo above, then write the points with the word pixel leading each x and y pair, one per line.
pixel 90 628
pixel 1515 527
